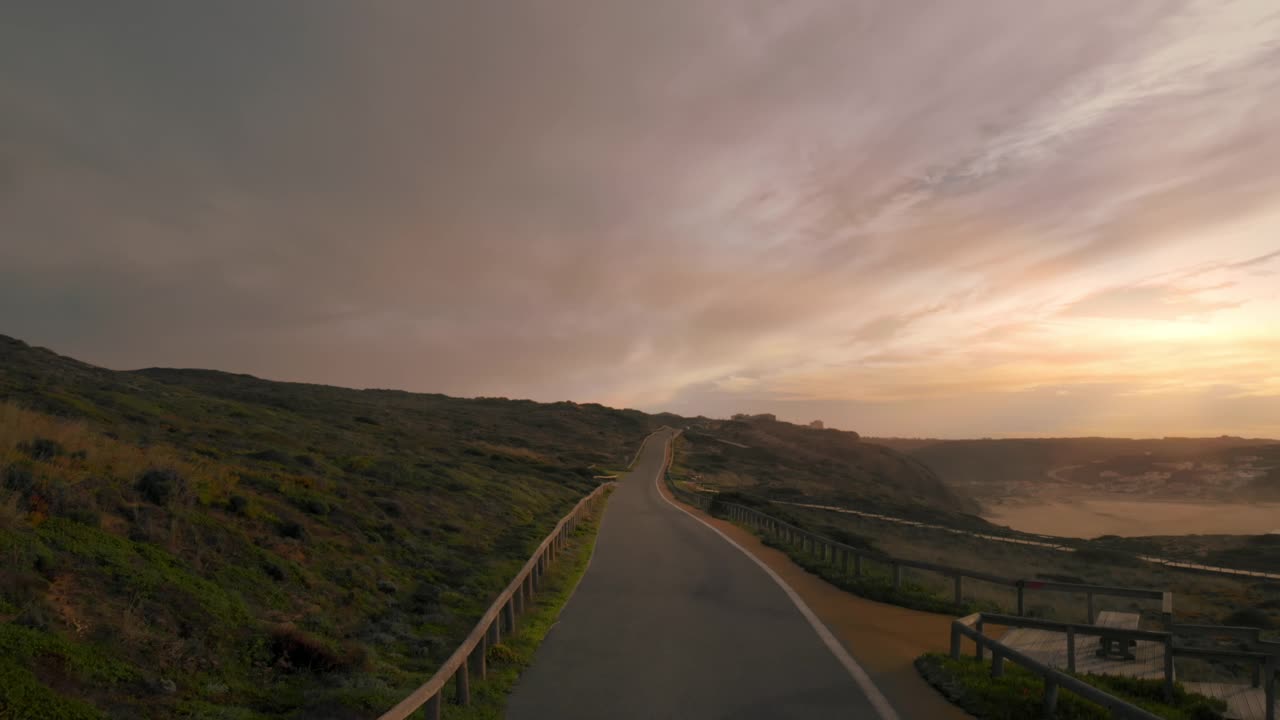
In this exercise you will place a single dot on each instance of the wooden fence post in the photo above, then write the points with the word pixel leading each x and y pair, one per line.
pixel 997 663
pixel 1089 604
pixel 959 589
pixel 977 653
pixel 463 681
pixel 1021 610
pixel 1050 697
pixel 955 642
pixel 1071 649
pixel 431 710
pixel 1168 667
pixel 1271 688
pixel 509 612
pixel 478 665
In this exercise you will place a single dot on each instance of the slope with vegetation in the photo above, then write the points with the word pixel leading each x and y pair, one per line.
pixel 782 461
pixel 1219 469
pixel 200 544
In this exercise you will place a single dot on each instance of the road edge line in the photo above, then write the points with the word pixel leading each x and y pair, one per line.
pixel 877 699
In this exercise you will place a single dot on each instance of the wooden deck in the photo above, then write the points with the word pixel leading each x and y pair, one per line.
pixel 1243 702
pixel 1050 648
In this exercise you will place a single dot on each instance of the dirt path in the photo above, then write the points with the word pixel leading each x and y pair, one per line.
pixel 885 639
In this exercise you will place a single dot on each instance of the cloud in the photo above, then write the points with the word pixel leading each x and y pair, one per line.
pixel 654 204
pixel 1148 302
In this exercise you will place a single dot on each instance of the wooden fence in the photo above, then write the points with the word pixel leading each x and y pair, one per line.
pixel 847 557
pixel 1264 663
pixel 468 661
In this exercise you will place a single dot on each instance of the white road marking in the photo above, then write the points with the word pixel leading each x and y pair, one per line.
pixel 860 676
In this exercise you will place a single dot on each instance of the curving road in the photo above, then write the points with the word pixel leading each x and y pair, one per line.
pixel 672 621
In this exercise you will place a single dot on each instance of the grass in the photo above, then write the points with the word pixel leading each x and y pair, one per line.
pixel 239 548
pixel 508 659
pixel 875 583
pixel 1019 693
pixel 778 460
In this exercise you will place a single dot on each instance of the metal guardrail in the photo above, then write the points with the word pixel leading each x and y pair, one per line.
pixel 844 555
pixel 497 622
pixel 1264 664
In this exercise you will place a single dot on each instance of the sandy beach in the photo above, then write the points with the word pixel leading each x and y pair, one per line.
pixel 1093 517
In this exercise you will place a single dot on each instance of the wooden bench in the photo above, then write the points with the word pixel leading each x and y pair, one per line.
pixel 1112 646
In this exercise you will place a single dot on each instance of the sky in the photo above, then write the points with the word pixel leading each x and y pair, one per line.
pixel 989 218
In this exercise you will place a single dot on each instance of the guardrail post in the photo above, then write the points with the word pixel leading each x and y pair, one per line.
pixel 1050 697
pixel 431 709
pixel 977 653
pixel 959 589
pixel 1271 688
pixel 1071 649
pixel 477 659
pixel 1020 599
pixel 1168 668
pixel 463 681
pixel 997 663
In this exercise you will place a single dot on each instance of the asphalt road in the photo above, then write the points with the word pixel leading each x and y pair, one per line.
pixel 671 621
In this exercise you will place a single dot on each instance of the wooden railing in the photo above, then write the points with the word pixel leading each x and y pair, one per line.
pixel 1264 664
pixel 846 556
pixel 468 661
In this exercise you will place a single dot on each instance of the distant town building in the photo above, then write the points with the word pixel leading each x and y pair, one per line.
pixel 817 425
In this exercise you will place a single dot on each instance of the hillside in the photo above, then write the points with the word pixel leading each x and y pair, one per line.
pixel 200 544
pixel 782 461
pixel 1222 469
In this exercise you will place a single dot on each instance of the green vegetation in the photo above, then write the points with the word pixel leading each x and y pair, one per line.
pixel 876 583
pixel 508 659
pixel 1018 694
pixel 780 461
pixel 1187 467
pixel 204 545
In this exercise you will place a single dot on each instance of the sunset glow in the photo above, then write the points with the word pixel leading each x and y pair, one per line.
pixel 967 219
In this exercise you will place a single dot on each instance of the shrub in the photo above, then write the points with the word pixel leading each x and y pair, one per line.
pixel 271 455
pixel 19 477
pixel 968 683
pixel 237 505
pixel 159 485
pixel 293 649
pixel 310 504
pixel 500 654
pixel 292 529
pixel 1249 617
pixel 42 449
